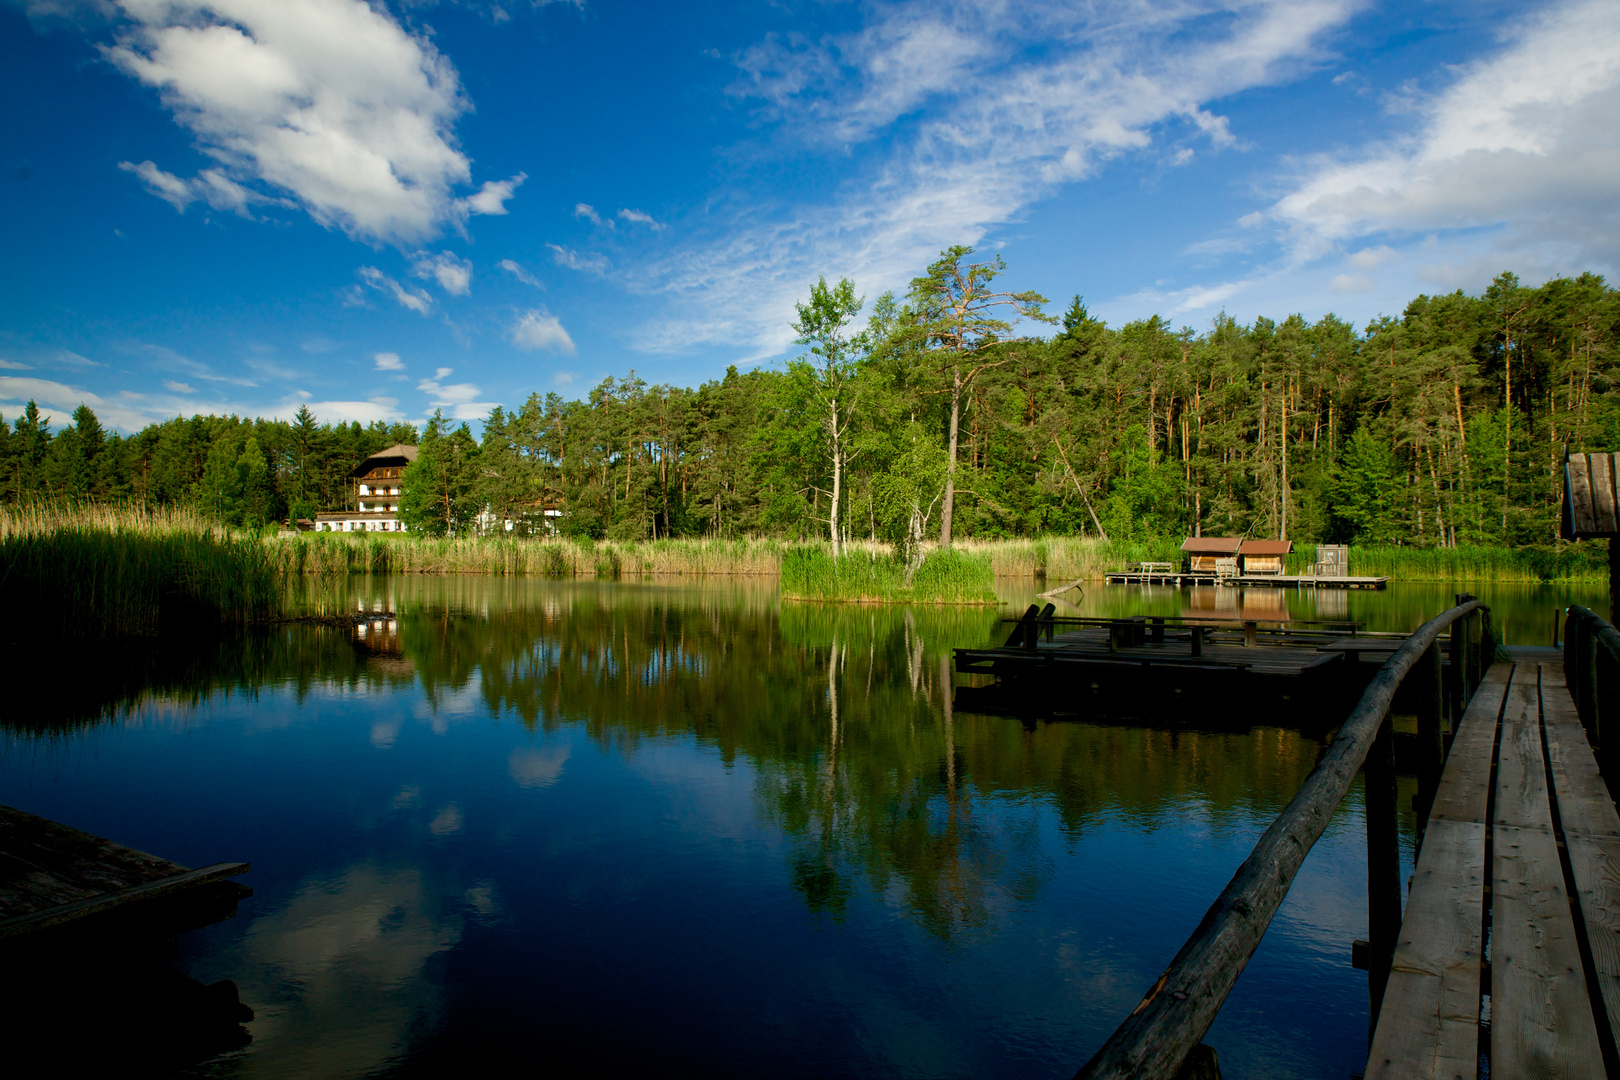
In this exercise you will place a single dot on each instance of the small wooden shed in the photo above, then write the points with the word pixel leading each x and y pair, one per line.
pixel 1203 551
pixel 1263 556
pixel 1592 509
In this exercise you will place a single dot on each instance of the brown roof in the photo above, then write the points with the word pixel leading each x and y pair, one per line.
pixel 1211 545
pixel 1266 547
pixel 397 452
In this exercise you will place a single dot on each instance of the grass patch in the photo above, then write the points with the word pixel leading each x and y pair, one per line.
pixel 1573 564
pixel 83 574
pixel 810 572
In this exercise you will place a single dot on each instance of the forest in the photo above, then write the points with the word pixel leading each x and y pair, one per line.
pixel 921 417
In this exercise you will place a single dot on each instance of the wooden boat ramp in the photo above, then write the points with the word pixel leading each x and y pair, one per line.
pixel 1504 959
pixel 1052 663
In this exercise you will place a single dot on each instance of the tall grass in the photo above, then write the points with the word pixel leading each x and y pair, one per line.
pixel 402 553
pixel 809 572
pixel 89 573
pixel 1575 564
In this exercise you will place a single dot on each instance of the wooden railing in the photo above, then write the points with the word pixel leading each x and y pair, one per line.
pixel 1169 1024
pixel 1592 671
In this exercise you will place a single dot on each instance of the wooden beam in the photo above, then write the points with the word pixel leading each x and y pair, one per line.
pixel 97 905
pixel 1429 1026
pixel 1541 1015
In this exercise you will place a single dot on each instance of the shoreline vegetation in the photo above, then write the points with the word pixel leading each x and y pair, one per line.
pixel 86 572
pixel 954 576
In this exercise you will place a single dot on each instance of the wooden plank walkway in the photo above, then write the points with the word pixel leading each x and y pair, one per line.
pixel 52 875
pixel 1508 960
pixel 1179 578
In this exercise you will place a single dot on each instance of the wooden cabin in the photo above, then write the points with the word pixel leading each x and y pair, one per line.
pixel 1204 553
pixel 1263 556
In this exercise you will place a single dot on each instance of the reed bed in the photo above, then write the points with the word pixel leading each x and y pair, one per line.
pixel 84 574
pixel 1572 564
pixel 810 572
pixel 396 553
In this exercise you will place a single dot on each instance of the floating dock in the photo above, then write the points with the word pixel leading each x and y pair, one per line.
pixel 56 879
pixel 1177 579
pixel 1059 664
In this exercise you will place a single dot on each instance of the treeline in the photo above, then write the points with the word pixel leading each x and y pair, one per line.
pixel 923 417
pixel 242 472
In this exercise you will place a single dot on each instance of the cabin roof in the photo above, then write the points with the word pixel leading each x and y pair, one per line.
pixel 1266 547
pixel 399 452
pixel 1590 502
pixel 1211 545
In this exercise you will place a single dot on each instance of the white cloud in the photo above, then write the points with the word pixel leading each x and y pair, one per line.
pixel 1351 283
pixel 453 274
pixel 454 394
pixel 493 196
pixel 588 212
pixel 589 263
pixel 563 378
pixel 12 365
pixel 179 387
pixel 461 399
pixel 539 329
pixel 1374 257
pixel 517 271
pixel 331 101
pixel 959 116
pixel 387 361
pixel 1523 145
pixel 642 218
pixel 415 299
pixel 364 412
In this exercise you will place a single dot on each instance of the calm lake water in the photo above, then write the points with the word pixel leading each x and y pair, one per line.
pixel 686 828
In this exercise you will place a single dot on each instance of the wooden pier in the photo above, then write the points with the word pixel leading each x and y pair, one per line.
pixel 1178 579
pixel 1510 944
pixel 1054 664
pixel 1506 958
pixel 56 880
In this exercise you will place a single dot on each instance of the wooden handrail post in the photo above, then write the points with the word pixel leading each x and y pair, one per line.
pixel 1487 633
pixel 1383 867
pixel 1454 673
pixel 1047 613
pixel 1429 695
pixel 1025 622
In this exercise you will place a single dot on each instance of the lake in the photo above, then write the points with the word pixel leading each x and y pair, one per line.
pixel 683 827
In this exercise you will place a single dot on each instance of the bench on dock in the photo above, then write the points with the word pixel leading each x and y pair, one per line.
pixel 54 877
pixel 1521 824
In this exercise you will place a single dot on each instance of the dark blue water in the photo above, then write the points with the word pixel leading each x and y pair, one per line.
pixel 681 829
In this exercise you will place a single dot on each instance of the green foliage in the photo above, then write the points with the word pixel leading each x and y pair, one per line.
pixel 80 578
pixel 812 572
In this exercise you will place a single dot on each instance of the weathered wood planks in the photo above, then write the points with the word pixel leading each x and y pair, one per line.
pixel 1545 1019
pixel 1541 1008
pixel 1429 1026
pixel 52 874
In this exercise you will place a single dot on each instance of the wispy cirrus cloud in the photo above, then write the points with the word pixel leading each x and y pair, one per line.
pixel 590 262
pixel 415 299
pixel 958 117
pixel 1523 143
pixel 516 270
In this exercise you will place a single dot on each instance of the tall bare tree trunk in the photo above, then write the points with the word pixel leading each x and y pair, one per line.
pixel 948 510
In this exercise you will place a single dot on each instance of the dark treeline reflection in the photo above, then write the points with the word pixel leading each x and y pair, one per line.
pixel 843 711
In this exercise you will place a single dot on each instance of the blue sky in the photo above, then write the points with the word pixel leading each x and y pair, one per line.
pixel 379 210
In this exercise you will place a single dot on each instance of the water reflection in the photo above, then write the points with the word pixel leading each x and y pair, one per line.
pixel 337 974
pixel 479 808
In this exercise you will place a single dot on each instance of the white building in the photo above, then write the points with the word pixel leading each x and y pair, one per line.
pixel 379 482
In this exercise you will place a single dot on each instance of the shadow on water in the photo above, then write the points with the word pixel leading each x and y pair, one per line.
pixel 490 803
